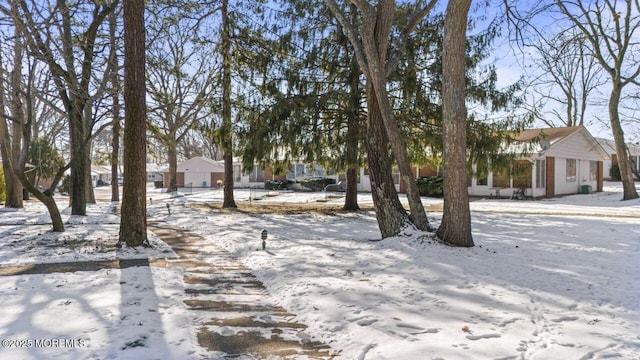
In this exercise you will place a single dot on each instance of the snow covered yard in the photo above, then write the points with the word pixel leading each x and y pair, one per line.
pixel 553 279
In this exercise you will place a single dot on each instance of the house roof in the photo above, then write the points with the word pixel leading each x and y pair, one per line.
pixel 100 169
pixel 549 134
pixel 546 138
pixel 610 146
pixel 215 165
pixel 151 167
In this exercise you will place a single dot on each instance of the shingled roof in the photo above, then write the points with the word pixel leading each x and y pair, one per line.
pixel 549 134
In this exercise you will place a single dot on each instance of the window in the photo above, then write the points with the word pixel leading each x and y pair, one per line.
pixel 593 170
pixel 571 170
pixel 257 175
pixel 482 181
pixel 501 178
pixel 541 174
pixel 522 170
pixel 236 173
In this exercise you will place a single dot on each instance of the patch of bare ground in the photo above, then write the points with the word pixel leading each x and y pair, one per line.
pixel 280 209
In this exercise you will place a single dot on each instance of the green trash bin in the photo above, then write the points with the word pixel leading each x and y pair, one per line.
pixel 585 189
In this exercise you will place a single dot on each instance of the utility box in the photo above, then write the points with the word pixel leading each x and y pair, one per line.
pixel 585 189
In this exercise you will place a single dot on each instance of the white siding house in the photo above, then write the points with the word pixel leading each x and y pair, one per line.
pixel 563 161
pixel 610 147
pixel 202 172
pixel 199 172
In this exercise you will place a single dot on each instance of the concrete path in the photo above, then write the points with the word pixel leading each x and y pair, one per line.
pixel 237 317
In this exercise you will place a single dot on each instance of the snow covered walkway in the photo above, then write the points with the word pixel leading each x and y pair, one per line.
pixel 237 318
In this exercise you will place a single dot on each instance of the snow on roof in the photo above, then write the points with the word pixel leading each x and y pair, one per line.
pixel 151 167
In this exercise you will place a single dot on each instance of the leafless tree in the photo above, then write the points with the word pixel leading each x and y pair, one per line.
pixel 63 35
pixel 180 78
pixel 566 64
pixel 611 28
pixel 612 31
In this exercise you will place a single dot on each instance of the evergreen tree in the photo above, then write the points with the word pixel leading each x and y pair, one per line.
pixel 315 100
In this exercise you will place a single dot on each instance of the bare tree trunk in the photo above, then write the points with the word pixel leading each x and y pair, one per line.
pixel 115 95
pixel 624 163
pixel 610 43
pixel 18 112
pixel 455 227
pixel 353 139
pixel 375 40
pixel 227 133
pixel 46 198
pixel 72 76
pixel 115 150
pixel 78 194
pixel 14 154
pixel 398 144
pixel 13 189
pixel 172 157
pixel 91 197
pixel 133 221
pixel 390 213
pixel 370 37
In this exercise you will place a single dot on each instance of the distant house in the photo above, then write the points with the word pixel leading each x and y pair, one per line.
pixel 198 172
pixel 610 147
pixel 100 175
pixel 154 172
pixel 564 161
pixel 204 172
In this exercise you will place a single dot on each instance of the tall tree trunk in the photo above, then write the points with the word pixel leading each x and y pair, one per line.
pixel 172 157
pixel 13 185
pixel 370 37
pixel 133 221
pixel 455 227
pixel 115 95
pixel 115 150
pixel 390 213
pixel 227 131
pixel 78 164
pixel 626 172
pixel 15 199
pixel 375 40
pixel 353 139
pixel 418 215
pixel 91 197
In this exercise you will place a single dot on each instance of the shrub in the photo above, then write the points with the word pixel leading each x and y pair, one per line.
pixel 317 184
pixel 65 185
pixel 614 172
pixel 277 184
pixel 430 186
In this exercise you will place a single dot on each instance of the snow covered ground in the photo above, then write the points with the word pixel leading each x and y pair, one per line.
pixel 549 279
